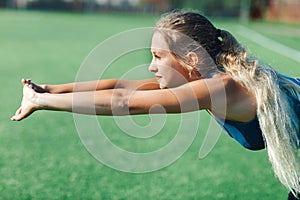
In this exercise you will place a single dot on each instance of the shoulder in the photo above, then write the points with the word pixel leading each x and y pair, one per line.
pixel 240 102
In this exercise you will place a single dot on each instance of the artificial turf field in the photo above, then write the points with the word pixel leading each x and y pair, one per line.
pixel 42 157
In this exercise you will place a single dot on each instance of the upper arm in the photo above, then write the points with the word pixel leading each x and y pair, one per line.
pixel 196 95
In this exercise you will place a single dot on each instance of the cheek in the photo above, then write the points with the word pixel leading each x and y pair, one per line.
pixel 167 73
pixel 172 73
pixel 173 79
pixel 177 74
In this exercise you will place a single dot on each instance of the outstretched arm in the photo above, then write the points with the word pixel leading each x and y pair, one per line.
pixel 148 84
pixel 188 97
pixel 221 95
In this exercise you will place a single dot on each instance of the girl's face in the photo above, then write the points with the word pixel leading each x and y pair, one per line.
pixel 168 72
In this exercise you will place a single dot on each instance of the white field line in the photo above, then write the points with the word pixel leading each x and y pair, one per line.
pixel 268 43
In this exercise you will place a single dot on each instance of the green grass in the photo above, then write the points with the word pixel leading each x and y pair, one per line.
pixel 43 158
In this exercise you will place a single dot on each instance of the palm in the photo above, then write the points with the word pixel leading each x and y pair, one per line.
pixel 27 105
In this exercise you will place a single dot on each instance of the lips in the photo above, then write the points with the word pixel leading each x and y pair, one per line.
pixel 158 77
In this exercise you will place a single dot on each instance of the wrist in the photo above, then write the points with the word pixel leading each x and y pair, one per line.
pixel 52 89
pixel 40 101
pixel 46 88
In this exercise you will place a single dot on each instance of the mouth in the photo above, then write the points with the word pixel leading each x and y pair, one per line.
pixel 158 77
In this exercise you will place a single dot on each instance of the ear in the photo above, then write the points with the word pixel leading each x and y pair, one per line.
pixel 193 59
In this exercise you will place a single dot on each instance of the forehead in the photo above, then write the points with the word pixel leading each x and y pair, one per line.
pixel 159 43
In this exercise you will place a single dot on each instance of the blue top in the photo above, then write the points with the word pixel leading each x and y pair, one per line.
pixel 249 134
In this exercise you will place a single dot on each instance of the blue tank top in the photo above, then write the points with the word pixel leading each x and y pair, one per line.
pixel 249 134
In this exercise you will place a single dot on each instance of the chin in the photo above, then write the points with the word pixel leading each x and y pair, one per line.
pixel 162 84
pixel 163 87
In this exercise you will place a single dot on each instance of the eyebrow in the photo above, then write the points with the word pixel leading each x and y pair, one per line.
pixel 158 50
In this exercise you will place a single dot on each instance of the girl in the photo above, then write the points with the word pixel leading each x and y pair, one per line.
pixel 196 66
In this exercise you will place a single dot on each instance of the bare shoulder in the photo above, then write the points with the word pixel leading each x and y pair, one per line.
pixel 220 94
pixel 241 103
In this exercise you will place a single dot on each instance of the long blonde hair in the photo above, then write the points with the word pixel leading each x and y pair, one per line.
pixel 275 94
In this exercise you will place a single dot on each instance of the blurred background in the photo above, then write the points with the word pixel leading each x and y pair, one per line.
pixel 43 157
pixel 273 10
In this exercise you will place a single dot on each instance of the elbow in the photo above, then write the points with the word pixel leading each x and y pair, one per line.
pixel 119 84
pixel 120 102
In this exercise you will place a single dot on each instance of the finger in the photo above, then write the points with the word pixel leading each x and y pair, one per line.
pixel 29 83
pixel 33 86
pixel 18 111
pixel 26 81
pixel 15 118
pixel 28 86
pixel 16 114
pixel 20 116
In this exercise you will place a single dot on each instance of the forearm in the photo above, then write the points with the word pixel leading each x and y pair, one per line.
pixel 103 102
pixel 82 86
pixel 148 84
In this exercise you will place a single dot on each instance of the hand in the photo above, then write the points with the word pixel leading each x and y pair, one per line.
pixel 28 105
pixel 35 87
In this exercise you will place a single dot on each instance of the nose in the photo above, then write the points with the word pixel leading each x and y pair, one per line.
pixel 152 67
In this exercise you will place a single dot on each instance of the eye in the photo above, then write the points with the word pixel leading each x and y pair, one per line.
pixel 156 56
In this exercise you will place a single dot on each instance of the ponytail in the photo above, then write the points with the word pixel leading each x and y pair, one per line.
pixel 228 43
pixel 276 115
